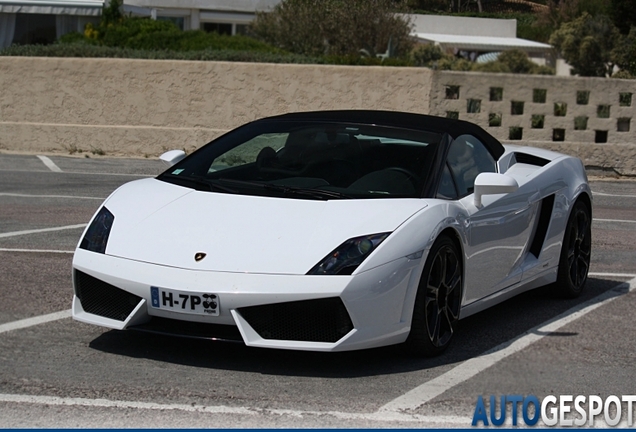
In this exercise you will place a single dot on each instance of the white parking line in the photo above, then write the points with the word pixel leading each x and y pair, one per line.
pixel 614 220
pixel 35 250
pixel 91 173
pixel 613 195
pixel 49 196
pixel 49 164
pixel 37 231
pixel 418 396
pixel 621 275
pixel 220 409
pixel 30 322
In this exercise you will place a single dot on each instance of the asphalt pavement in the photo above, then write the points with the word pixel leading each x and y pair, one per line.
pixel 56 372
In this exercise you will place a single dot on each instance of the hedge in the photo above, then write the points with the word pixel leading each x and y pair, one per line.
pixel 88 50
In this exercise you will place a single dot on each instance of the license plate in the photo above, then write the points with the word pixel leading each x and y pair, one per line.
pixel 185 302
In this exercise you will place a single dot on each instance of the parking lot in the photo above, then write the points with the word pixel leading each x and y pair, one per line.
pixel 60 373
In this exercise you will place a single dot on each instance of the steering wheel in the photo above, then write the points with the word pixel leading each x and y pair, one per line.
pixel 415 179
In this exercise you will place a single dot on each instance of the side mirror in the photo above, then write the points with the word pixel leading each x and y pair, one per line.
pixel 492 184
pixel 172 157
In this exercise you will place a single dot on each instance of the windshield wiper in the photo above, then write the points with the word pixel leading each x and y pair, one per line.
pixel 200 183
pixel 290 190
pixel 311 192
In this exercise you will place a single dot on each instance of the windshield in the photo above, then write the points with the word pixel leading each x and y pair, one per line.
pixel 311 160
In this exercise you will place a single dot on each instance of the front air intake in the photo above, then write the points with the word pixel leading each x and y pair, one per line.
pixel 322 320
pixel 103 299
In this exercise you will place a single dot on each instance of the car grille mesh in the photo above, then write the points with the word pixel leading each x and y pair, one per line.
pixel 323 320
pixel 103 299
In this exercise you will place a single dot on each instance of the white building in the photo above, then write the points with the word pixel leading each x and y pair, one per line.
pixel 223 16
pixel 34 21
pixel 475 36
pixel 44 21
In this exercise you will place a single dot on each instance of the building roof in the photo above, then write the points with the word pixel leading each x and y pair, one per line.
pixel 56 7
pixel 244 6
pixel 481 43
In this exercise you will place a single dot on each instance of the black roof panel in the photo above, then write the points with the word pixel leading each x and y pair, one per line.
pixel 398 119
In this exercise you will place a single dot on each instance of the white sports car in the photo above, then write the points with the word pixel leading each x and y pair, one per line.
pixel 333 231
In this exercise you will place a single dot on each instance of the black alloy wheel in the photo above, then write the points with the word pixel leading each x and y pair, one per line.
pixel 576 252
pixel 438 300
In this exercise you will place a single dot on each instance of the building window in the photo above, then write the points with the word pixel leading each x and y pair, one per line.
pixel 220 28
pixel 31 29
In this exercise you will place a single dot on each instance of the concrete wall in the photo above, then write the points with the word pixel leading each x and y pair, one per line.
pixel 569 125
pixel 144 107
pixel 139 107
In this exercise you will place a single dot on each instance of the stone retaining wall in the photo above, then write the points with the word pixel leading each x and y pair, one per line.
pixel 144 107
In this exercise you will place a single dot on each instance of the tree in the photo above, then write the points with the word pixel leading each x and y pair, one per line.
pixel 586 44
pixel 336 27
pixel 624 54
pixel 623 14
pixel 558 12
pixel 429 5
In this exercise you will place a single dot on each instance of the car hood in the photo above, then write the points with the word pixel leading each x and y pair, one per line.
pixel 165 224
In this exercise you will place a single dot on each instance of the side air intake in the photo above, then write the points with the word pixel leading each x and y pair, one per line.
pixel 547 205
pixel 323 320
pixel 103 299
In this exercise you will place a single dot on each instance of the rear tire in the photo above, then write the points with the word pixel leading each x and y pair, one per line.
pixel 576 251
pixel 438 300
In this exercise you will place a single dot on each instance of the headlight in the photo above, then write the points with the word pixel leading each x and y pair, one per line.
pixel 97 234
pixel 348 256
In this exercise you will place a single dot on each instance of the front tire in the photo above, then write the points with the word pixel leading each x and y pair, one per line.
pixel 438 300
pixel 576 251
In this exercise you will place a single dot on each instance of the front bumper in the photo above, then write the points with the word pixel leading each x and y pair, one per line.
pixel 317 313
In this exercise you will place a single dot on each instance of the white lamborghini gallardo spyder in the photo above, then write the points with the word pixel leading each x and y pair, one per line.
pixel 333 231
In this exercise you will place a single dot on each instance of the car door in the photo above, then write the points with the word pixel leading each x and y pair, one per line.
pixel 498 231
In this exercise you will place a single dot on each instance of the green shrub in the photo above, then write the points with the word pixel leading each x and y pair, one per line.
pixel 453 63
pixel 517 61
pixel 426 54
pixel 623 74
pixel 492 67
pixel 97 51
pixel 75 37
pixel 358 60
pixel 123 34
pixel 513 61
